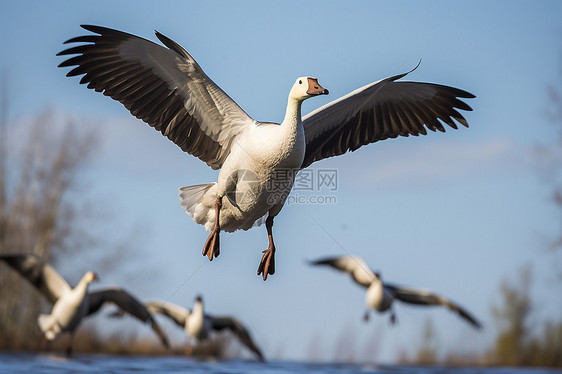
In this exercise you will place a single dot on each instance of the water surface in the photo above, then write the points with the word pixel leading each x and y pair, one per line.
pixel 45 363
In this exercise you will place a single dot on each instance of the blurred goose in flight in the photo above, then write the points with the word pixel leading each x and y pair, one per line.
pixel 199 325
pixel 380 295
pixel 71 305
pixel 258 161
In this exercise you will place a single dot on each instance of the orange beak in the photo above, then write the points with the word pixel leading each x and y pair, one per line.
pixel 314 88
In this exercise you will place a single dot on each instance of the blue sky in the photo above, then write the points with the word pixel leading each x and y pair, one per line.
pixel 455 212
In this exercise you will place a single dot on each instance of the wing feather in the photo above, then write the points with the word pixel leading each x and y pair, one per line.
pixel 423 297
pixel 353 265
pixel 127 303
pixel 176 313
pixel 40 274
pixel 381 110
pixel 232 324
pixel 164 87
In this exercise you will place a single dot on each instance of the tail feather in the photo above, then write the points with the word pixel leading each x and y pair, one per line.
pixel 199 203
pixel 48 325
pixel 191 197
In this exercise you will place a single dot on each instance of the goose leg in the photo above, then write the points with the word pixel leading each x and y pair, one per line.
pixel 212 245
pixel 69 347
pixel 366 316
pixel 393 319
pixel 45 344
pixel 267 263
pixel 188 349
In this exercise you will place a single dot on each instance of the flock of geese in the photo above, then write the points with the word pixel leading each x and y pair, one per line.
pixel 72 305
pixel 258 161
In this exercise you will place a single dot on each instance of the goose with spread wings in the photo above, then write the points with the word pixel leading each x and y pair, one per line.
pixel 71 305
pixel 166 88
pixel 381 295
pixel 199 325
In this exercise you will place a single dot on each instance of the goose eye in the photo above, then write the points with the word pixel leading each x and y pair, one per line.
pixel 300 81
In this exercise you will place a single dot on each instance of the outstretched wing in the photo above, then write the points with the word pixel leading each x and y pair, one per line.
pixel 176 313
pixel 127 303
pixel 423 297
pixel 165 87
pixel 381 110
pixel 221 323
pixel 40 274
pixel 353 265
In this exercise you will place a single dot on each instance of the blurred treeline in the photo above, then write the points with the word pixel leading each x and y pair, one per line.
pixel 518 343
pixel 36 214
pixel 520 340
pixel 43 210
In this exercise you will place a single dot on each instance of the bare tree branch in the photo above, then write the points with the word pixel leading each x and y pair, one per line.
pixel 32 217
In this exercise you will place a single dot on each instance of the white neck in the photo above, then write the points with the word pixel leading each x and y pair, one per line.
pixel 293 113
pixel 197 309
pixel 82 286
pixel 194 323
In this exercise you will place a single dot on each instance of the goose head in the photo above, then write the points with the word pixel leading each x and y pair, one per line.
pixel 90 277
pixel 87 278
pixel 306 87
pixel 198 306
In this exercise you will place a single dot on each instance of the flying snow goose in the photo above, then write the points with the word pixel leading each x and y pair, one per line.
pixel 71 305
pixel 380 295
pixel 258 161
pixel 199 325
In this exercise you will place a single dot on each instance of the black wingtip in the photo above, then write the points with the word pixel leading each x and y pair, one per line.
pixel 95 29
pixel 92 28
pixel 103 31
pixel 172 45
pixel 322 261
pixel 402 75
pixel 419 63
pixel 410 71
pixel 477 325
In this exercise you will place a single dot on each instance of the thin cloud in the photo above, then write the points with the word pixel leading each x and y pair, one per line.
pixel 406 162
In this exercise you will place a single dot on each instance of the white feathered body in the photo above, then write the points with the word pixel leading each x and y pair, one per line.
pixel 195 323
pixel 377 297
pixel 255 179
pixel 67 312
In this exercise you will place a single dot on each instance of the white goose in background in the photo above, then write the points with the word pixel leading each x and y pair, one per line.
pixel 199 325
pixel 258 161
pixel 381 295
pixel 71 305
